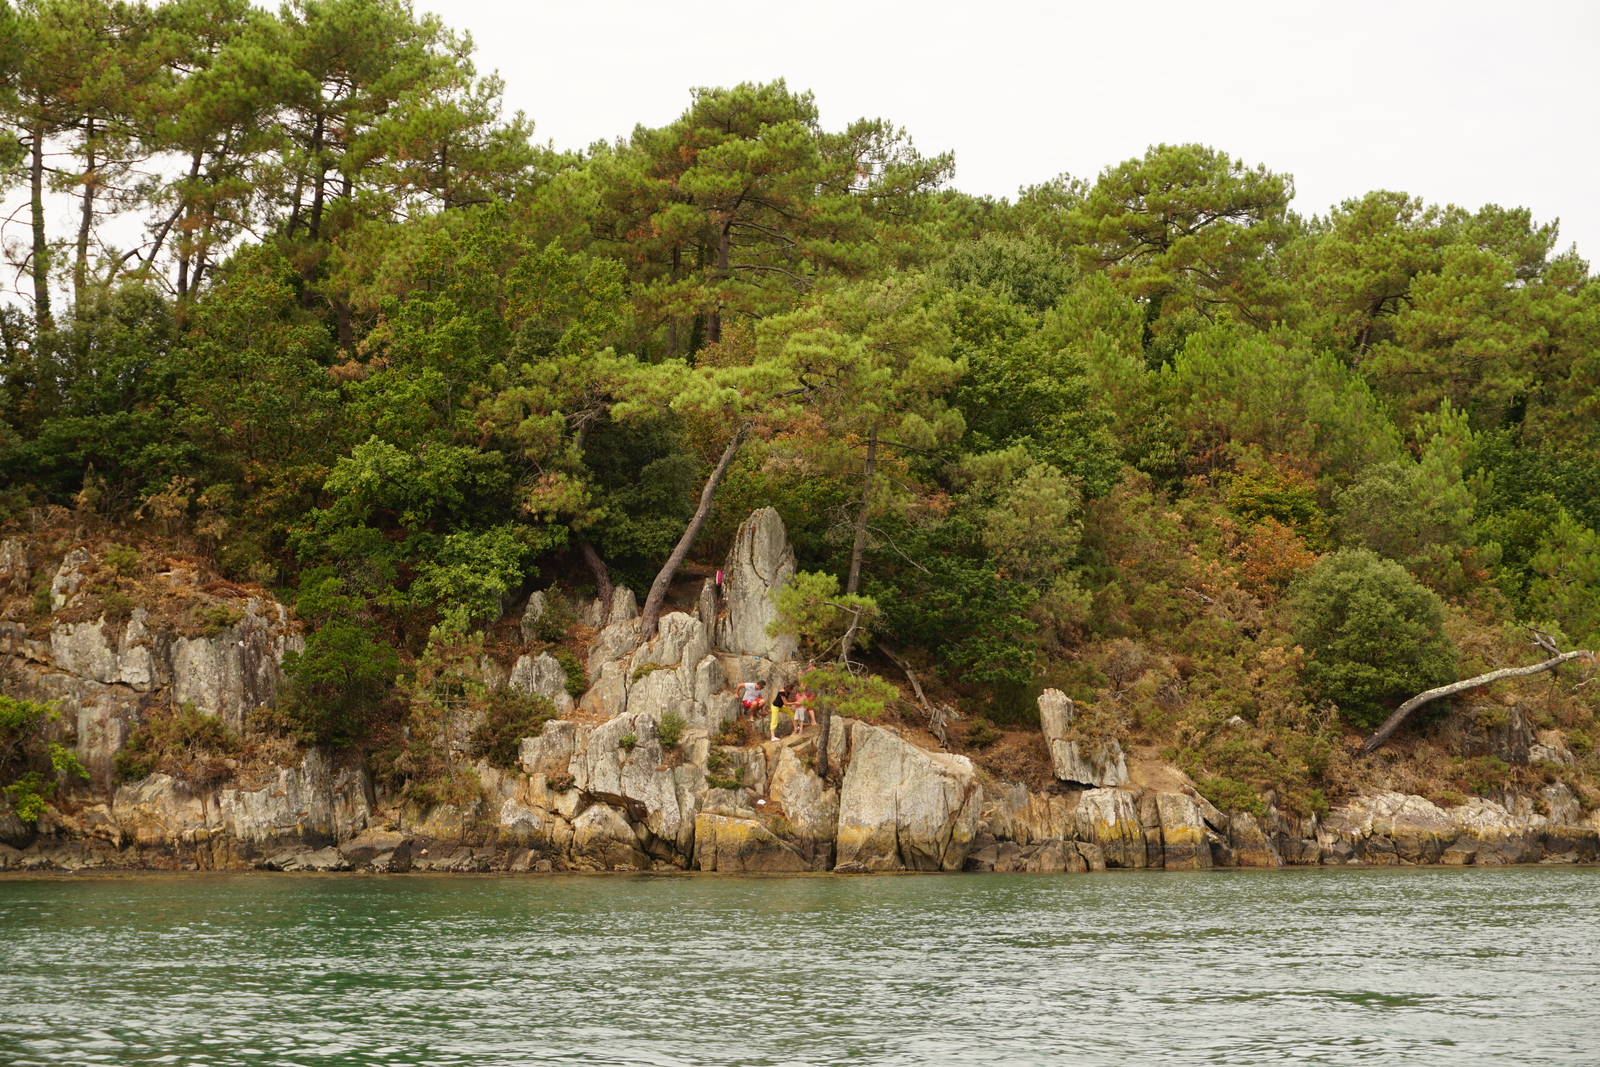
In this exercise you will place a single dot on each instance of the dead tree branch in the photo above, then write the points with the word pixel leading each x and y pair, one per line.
pixel 1392 723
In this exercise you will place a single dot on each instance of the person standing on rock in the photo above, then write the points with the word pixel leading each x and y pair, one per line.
pixel 778 703
pixel 800 706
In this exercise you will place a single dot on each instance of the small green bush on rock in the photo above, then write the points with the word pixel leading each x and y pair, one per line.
pixel 670 729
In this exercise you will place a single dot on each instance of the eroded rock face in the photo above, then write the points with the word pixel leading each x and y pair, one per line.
pixel 315 804
pixel 1110 819
pixel 1185 844
pixel 759 564
pixel 1096 762
pixel 736 846
pixel 542 675
pixel 904 808
pixel 16 569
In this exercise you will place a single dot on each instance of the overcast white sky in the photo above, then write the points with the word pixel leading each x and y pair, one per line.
pixel 1459 102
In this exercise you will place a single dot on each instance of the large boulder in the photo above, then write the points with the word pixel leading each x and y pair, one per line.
pixel 759 564
pixel 602 839
pixel 1250 845
pixel 1110 819
pixel 315 804
pixel 735 846
pixel 809 809
pixel 905 808
pixel 1186 844
pixel 1095 761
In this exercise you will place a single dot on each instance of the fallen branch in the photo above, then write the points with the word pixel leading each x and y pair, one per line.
pixel 1392 723
pixel 937 718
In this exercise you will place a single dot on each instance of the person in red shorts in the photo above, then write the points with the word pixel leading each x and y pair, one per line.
pixel 752 695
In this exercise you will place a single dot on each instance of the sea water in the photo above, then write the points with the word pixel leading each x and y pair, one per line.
pixel 1378 966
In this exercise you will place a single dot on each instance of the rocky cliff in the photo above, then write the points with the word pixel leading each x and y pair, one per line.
pixel 598 789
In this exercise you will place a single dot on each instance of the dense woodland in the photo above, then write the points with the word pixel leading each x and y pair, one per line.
pixel 328 318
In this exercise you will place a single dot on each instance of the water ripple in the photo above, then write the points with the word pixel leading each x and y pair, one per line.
pixel 1318 967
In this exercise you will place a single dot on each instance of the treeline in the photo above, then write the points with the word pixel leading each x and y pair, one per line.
pixel 376 343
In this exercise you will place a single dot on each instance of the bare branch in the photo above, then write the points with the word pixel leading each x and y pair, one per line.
pixel 1393 722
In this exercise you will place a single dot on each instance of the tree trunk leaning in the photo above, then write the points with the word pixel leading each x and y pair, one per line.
pixel 602 580
pixel 1392 723
pixel 650 617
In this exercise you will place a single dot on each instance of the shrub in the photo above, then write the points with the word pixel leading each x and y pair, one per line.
pixel 628 741
pixel 509 717
pixel 735 731
pixel 842 693
pixel 1230 794
pixel 30 766
pixel 577 677
pixel 183 742
pixel 122 559
pixel 117 605
pixel 218 617
pixel 981 733
pixel 645 671
pixel 670 729
pixel 345 673
pixel 1374 632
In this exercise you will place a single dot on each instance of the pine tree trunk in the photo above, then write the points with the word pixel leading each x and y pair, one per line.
pixel 860 547
pixel 41 251
pixel 714 328
pixel 650 617
pixel 80 266
pixel 602 580
pixel 183 247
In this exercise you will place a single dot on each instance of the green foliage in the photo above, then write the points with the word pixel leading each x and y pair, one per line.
pixel 670 729
pixel 215 618
pixel 627 742
pixel 811 608
pixel 1376 635
pixel 31 767
pixel 344 675
pixel 1230 794
pixel 577 675
pixel 122 559
pixel 840 691
pixel 183 742
pixel 508 717
pixel 1565 586
pixel 443 696
pixel 117 605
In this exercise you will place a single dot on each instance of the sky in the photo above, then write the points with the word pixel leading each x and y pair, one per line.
pixel 1458 102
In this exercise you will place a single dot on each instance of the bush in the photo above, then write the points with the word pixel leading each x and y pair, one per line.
pixel 122 559
pixel 1374 632
pixel 509 717
pixel 670 729
pixel 30 766
pixel 1230 794
pixel 183 742
pixel 981 734
pixel 577 677
pixel 627 741
pixel 339 682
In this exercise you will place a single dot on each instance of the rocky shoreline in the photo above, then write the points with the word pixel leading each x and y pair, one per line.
pixel 600 791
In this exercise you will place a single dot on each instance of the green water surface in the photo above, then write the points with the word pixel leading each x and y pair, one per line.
pixel 1402 967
